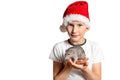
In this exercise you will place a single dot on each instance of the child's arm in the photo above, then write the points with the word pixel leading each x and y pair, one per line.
pixel 60 72
pixel 95 74
pixel 57 67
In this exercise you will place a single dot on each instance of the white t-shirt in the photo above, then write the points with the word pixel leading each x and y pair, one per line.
pixel 92 51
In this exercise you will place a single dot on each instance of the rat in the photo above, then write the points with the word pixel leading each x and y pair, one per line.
pixel 75 53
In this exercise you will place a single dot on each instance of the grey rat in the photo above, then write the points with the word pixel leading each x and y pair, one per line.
pixel 75 53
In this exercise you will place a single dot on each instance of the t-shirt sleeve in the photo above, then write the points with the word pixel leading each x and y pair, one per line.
pixel 97 54
pixel 56 54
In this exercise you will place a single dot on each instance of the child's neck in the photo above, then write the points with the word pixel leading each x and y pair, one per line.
pixel 81 42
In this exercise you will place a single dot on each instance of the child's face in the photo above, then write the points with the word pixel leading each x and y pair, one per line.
pixel 76 31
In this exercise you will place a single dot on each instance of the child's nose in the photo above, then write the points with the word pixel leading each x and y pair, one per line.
pixel 74 29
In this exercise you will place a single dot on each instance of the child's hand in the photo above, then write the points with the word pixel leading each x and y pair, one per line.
pixel 80 64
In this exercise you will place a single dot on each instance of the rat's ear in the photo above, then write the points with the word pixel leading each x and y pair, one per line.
pixel 66 50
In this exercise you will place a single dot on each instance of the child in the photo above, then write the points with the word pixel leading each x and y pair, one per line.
pixel 76 23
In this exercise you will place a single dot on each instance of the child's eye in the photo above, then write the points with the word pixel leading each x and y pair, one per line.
pixel 70 24
pixel 79 24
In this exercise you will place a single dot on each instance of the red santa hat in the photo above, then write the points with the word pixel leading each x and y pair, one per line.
pixel 76 11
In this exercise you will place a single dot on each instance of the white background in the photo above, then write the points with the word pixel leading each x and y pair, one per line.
pixel 30 28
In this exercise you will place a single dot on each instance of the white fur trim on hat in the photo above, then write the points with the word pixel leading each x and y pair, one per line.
pixel 74 17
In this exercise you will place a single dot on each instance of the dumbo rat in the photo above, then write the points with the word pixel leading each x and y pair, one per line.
pixel 75 53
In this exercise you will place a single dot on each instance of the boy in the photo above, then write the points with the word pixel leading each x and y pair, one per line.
pixel 76 23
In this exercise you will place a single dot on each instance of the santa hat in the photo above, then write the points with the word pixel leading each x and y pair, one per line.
pixel 76 11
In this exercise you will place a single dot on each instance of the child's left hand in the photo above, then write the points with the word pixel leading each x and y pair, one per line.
pixel 80 64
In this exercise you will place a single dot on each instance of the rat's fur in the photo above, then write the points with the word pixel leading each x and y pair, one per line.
pixel 75 53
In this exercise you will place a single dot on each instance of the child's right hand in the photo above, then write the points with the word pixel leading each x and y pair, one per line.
pixel 82 61
pixel 80 64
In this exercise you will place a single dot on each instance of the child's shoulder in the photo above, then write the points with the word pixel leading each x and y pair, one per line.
pixel 92 43
pixel 61 43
